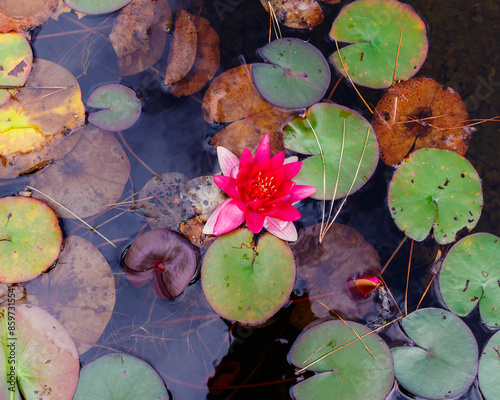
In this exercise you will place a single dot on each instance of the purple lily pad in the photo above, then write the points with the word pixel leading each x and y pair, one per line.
pixel 165 257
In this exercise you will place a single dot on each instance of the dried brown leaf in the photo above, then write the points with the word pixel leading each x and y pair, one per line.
pixel 21 15
pixel 298 14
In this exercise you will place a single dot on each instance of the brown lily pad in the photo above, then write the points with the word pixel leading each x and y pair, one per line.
pixel 206 63
pixel 88 178
pixel 21 15
pixel 139 34
pixel 420 112
pixel 183 48
pixel 232 96
pixel 298 14
pixel 79 292
pixel 328 268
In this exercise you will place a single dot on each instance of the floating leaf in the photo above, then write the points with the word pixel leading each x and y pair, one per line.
pixel 232 96
pixel 21 15
pixel 328 267
pixel 79 292
pixel 435 189
pixel 298 14
pixel 45 360
pixel 88 178
pixel 192 229
pixel 324 122
pixel 441 361
pixel 96 6
pixel 297 75
pixel 439 116
pixel 374 29
pixel 121 106
pixel 166 257
pixel 139 34
pixel 206 63
pixel 245 283
pixel 30 238
pixel 351 372
pixel 183 48
pixel 489 368
pixel 470 275
pixel 120 376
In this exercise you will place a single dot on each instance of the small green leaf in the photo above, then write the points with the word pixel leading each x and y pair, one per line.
pixel 489 368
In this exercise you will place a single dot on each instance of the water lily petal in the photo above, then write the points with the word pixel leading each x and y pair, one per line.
pixel 283 211
pixel 227 161
pixel 292 169
pixel 299 192
pixel 277 160
pixel 246 161
pixel 263 152
pixel 226 217
pixel 228 185
pixel 281 229
pixel 255 221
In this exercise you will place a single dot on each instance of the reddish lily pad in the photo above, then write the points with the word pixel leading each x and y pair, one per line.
pixel 247 282
pixel 420 113
pixel 298 14
pixel 436 190
pixel 166 257
pixel 489 368
pixel 373 27
pixel 121 106
pixel 42 360
pixel 96 6
pixel 21 15
pixel 30 238
pixel 297 75
pixel 470 276
pixel 120 376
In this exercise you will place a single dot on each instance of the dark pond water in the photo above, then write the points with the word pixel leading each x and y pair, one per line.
pixel 183 339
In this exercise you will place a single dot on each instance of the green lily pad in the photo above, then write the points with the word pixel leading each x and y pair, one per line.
pixel 245 283
pixel 298 75
pixel 351 372
pixel 373 27
pixel 441 362
pixel 30 238
pixel 96 6
pixel 435 189
pixel 121 106
pixel 120 376
pixel 489 368
pixel 327 122
pixel 38 358
pixel 470 274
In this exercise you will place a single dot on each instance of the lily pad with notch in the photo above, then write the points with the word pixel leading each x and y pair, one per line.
pixel 470 276
pixel 245 281
pixel 373 29
pixel 296 75
pixel 324 123
pixel 489 368
pixel 436 190
pixel 350 372
pixel 442 358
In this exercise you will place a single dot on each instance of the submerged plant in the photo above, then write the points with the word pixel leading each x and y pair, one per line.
pixel 261 191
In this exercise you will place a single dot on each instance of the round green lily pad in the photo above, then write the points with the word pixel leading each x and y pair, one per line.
pixel 245 283
pixel 30 238
pixel 326 122
pixel 120 376
pixel 442 360
pixel 489 368
pixel 96 6
pixel 373 27
pixel 16 58
pixel 470 274
pixel 297 75
pixel 435 189
pixel 121 106
pixel 351 372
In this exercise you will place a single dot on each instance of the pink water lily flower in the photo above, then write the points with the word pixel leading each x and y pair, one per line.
pixel 261 191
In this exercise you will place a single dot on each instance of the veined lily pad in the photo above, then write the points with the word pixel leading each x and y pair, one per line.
pixel 118 377
pixel 121 106
pixel 489 368
pixel 96 6
pixel 326 122
pixel 374 29
pixel 442 361
pixel 351 372
pixel 297 75
pixel 245 283
pixel 470 274
pixel 30 238
pixel 435 189
pixel 42 361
